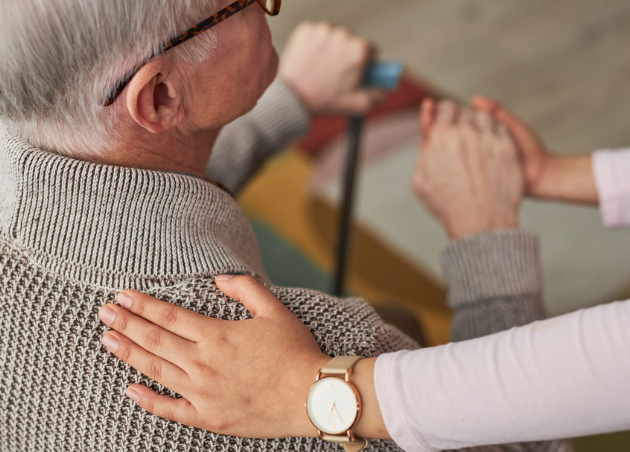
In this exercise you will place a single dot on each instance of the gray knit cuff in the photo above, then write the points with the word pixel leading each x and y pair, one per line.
pixel 495 264
pixel 283 114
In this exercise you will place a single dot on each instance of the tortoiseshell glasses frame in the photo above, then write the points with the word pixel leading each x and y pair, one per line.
pixel 272 7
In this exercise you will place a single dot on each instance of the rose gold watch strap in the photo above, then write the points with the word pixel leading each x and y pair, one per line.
pixel 357 445
pixel 350 446
pixel 340 365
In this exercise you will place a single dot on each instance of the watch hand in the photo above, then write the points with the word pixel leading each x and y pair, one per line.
pixel 339 415
pixel 329 413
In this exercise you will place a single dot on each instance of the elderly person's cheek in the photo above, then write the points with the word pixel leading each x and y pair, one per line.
pixel 261 60
pixel 266 44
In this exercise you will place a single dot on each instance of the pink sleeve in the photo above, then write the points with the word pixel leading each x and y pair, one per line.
pixel 612 176
pixel 560 378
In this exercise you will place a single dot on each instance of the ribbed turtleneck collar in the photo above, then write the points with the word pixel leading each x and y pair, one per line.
pixel 119 227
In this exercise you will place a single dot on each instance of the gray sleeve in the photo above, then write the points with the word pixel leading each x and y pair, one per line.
pixel 244 145
pixel 494 284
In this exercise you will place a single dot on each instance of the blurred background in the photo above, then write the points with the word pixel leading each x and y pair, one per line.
pixel 563 65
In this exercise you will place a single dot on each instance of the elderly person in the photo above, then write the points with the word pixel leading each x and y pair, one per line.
pixel 110 112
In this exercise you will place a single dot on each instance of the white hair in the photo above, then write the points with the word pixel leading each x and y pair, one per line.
pixel 60 58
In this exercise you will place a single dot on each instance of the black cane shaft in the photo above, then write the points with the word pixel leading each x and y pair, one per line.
pixel 355 130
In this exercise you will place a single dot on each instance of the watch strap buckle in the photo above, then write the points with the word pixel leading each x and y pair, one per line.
pixel 350 445
pixel 356 445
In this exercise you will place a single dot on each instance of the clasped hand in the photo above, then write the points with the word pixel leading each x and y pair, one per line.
pixel 468 174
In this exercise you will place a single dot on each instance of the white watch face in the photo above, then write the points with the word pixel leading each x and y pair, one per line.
pixel 332 405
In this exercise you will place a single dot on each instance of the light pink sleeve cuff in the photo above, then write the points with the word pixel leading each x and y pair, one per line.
pixel 391 401
pixel 612 177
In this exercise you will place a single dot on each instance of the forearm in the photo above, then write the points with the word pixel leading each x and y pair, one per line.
pixel 244 145
pixel 566 178
pixel 538 382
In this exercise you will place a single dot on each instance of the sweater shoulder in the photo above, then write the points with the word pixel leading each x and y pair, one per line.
pixel 52 359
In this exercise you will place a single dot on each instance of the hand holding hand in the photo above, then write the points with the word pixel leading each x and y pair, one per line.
pixel 535 156
pixel 325 65
pixel 468 174
pixel 247 378
pixel 547 176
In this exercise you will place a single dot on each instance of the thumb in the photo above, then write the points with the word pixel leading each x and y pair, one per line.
pixel 251 293
pixel 177 410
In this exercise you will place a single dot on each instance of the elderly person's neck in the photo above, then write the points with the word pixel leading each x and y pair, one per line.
pixel 173 150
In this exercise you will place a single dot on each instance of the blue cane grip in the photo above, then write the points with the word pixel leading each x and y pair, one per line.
pixel 384 75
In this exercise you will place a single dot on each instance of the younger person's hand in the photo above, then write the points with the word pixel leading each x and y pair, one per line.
pixel 534 154
pixel 247 378
pixel 325 65
pixel 547 176
pixel 468 174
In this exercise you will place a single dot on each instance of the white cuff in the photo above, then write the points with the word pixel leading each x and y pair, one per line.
pixel 612 177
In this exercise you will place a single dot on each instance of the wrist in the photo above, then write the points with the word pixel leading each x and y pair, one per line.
pixel 545 180
pixel 566 178
pixel 371 424
pixel 299 93
pixel 463 230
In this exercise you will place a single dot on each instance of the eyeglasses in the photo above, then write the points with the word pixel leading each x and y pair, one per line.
pixel 272 7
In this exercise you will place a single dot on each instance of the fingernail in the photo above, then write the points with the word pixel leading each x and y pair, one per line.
pixel 224 277
pixel 110 342
pixel 133 395
pixel 107 315
pixel 124 300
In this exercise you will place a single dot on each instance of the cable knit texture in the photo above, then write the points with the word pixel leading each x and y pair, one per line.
pixel 492 265
pixel 72 235
pixel 494 283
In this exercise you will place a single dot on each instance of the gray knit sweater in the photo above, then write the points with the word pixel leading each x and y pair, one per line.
pixel 73 234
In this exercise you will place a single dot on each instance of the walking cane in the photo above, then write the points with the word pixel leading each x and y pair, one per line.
pixel 378 75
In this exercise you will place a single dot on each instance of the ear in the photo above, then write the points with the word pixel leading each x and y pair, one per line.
pixel 154 99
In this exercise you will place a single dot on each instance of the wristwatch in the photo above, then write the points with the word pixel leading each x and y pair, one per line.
pixel 334 404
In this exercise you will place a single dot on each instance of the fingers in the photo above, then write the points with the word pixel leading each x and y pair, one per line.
pixel 483 103
pixel 177 320
pixel 466 117
pixel 154 367
pixel 484 121
pixel 446 113
pixel 178 410
pixel 152 338
pixel 255 297
pixel 515 125
pixel 427 119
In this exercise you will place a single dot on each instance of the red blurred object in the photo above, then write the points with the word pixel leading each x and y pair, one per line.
pixel 325 128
